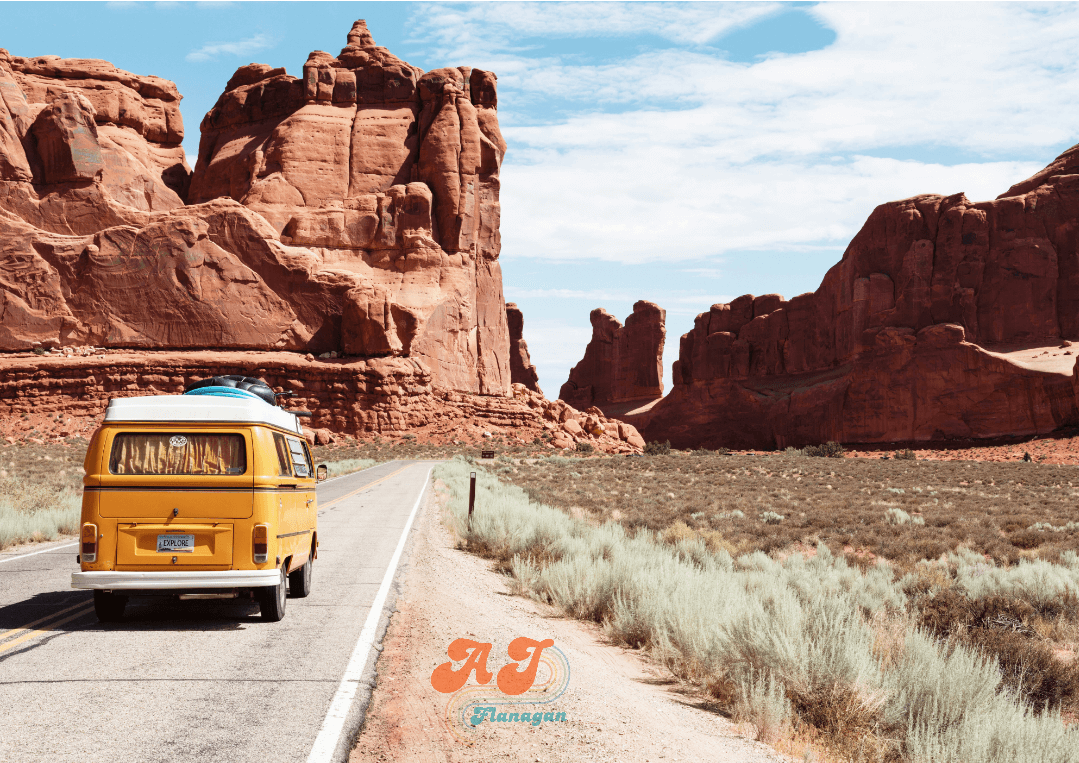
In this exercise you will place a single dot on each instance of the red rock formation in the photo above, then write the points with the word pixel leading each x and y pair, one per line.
pixel 355 210
pixel 912 336
pixel 621 363
pixel 521 369
pixel 386 173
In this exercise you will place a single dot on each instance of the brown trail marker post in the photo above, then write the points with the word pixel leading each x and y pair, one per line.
pixel 471 498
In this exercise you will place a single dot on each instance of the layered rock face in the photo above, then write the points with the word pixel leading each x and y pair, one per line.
pixel 354 211
pixel 916 334
pixel 521 369
pixel 60 394
pixel 621 363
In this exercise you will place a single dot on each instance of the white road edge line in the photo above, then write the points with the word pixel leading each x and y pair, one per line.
pixel 330 733
pixel 42 551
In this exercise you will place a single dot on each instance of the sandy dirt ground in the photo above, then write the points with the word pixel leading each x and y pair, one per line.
pixel 618 706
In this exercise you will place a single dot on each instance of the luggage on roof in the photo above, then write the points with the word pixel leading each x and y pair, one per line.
pixel 232 386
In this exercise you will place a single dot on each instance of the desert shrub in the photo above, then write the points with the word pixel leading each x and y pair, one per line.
pixel 584 447
pixel 30 511
pixel 900 517
pixel 771 517
pixel 1000 627
pixel 735 514
pixel 1049 526
pixel 762 702
pixel 1028 667
pixel 656 448
pixel 905 455
pixel 827 450
pixel 792 451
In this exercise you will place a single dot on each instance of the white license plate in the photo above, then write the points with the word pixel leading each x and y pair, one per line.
pixel 171 544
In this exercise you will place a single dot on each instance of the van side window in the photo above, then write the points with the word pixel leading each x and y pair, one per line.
pixel 178 453
pixel 283 457
pixel 300 465
pixel 310 461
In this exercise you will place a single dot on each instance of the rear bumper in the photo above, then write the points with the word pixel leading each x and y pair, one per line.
pixel 174 581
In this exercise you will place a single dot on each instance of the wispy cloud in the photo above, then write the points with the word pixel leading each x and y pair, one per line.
pixel 478 29
pixel 212 50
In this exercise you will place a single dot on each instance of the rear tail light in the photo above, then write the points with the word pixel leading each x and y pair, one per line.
pixel 260 543
pixel 89 543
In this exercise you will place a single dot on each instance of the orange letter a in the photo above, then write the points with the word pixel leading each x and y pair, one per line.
pixel 447 680
pixel 512 681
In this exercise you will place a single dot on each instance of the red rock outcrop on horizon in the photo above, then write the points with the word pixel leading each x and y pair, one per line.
pixel 917 334
pixel 621 363
pixel 521 369
pixel 353 211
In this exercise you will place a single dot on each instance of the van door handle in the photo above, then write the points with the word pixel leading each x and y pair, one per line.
pixel 310 501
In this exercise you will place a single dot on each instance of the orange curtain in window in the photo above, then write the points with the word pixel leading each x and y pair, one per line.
pixel 170 453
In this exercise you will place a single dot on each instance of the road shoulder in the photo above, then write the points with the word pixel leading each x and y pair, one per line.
pixel 619 707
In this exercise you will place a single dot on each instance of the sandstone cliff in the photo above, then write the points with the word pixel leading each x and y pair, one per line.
pixel 944 319
pixel 354 211
pixel 621 363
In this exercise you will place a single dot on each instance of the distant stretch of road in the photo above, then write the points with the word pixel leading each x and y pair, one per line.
pixel 206 680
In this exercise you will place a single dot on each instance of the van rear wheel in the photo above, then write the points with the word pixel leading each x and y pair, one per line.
pixel 299 581
pixel 109 606
pixel 272 598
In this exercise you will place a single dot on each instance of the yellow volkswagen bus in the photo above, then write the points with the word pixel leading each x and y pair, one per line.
pixel 205 495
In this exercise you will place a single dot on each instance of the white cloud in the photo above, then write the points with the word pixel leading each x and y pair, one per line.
pixel 702 155
pixel 212 50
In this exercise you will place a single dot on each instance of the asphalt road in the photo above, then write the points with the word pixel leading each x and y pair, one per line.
pixel 206 680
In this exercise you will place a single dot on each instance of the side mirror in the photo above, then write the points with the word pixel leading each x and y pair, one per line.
pixel 321 472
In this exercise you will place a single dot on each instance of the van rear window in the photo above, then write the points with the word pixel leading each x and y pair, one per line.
pixel 178 453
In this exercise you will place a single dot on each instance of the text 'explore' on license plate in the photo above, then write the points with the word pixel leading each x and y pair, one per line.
pixel 173 543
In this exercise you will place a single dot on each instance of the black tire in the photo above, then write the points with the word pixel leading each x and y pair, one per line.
pixel 109 606
pixel 272 598
pixel 299 581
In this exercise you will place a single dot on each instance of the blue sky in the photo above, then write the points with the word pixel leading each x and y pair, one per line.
pixel 681 153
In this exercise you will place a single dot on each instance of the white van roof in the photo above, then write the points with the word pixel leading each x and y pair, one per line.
pixel 200 408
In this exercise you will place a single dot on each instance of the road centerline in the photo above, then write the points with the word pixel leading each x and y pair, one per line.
pixel 9 633
pixel 51 626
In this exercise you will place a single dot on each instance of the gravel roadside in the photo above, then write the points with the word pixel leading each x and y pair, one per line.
pixel 618 706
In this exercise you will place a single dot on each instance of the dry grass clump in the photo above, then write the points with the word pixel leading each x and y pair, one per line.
pixel 799 642
pixel 40 492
